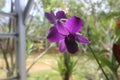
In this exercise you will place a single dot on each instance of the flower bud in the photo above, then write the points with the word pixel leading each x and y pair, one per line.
pixel 116 52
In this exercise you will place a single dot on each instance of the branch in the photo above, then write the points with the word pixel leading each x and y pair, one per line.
pixel 5 58
pixel 3 69
pixel 37 58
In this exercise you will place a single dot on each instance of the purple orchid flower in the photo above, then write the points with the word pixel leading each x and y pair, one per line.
pixel 53 18
pixel 67 34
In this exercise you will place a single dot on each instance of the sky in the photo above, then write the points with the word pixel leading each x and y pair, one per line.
pixel 7 7
pixel 40 12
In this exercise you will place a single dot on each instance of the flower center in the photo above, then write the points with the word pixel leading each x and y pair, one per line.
pixel 63 20
pixel 70 43
pixel 70 37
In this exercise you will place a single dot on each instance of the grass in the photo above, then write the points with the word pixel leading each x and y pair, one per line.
pixel 44 75
pixel 43 69
pixel 85 69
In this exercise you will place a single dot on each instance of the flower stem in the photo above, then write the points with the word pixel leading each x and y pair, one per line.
pixel 66 63
pixel 116 75
pixel 98 62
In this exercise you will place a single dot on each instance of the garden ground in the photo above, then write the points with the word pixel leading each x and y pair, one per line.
pixel 45 68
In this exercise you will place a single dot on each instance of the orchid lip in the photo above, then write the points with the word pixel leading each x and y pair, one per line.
pixel 71 44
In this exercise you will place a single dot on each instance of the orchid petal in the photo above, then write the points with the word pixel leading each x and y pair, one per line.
pixel 51 17
pixel 62 46
pixel 73 24
pixel 71 45
pixel 60 14
pixel 61 29
pixel 82 39
pixel 53 35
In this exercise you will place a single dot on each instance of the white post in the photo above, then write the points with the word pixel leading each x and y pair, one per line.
pixel 21 45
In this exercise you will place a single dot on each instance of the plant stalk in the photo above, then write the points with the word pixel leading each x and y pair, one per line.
pixel 98 62
pixel 66 62
pixel 117 76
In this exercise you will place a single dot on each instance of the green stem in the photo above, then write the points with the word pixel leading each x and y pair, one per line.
pixel 98 62
pixel 116 75
pixel 66 62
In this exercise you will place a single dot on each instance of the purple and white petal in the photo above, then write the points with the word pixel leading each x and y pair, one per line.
pixel 60 15
pixel 62 46
pixel 73 24
pixel 61 29
pixel 51 17
pixel 71 45
pixel 80 38
pixel 53 35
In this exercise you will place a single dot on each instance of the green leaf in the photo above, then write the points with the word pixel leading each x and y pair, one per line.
pixel 106 62
pixel 90 55
pixel 117 32
pixel 103 52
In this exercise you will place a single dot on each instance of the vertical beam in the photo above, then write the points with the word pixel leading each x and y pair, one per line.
pixel 21 46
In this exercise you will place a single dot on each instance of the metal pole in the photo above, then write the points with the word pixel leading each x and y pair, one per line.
pixel 12 15
pixel 8 35
pixel 21 47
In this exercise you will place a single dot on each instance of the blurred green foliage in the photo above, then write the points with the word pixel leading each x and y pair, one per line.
pixel 99 24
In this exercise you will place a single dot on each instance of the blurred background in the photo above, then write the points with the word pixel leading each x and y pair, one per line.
pixel 101 20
